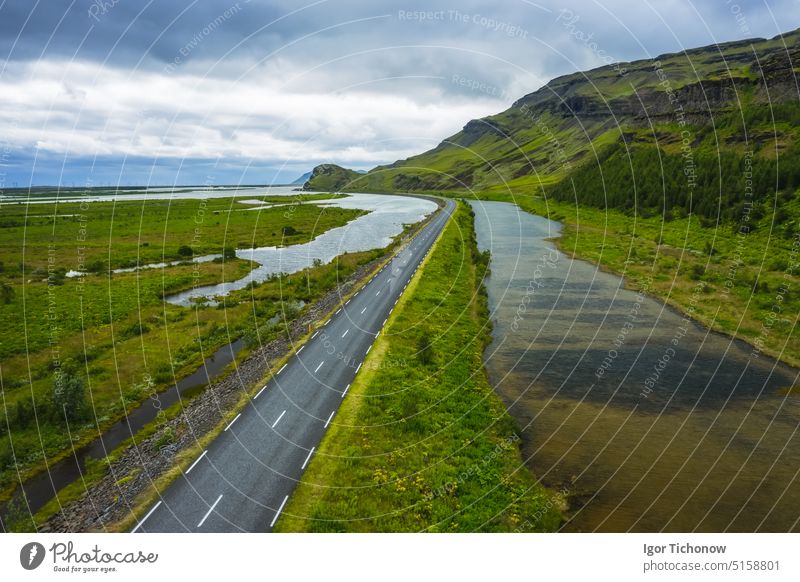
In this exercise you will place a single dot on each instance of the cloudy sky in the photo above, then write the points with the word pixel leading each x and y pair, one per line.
pixel 222 91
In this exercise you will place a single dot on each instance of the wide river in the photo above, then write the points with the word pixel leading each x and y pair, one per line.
pixel 649 421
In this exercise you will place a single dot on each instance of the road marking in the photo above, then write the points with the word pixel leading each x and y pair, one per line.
pixel 363 310
pixel 231 423
pixel 282 369
pixel 301 349
pixel 345 390
pixel 196 461
pixel 345 333
pixel 337 311
pixel 210 509
pixel 318 367
pixel 326 323
pixel 369 348
pixel 149 513
pixel 311 452
pixel 357 292
pixel 315 334
pixel 359 367
pixel 348 301
pixel 385 320
pixel 396 300
pixel 274 519
pixel 260 391
pixel 327 422
pixel 378 293
pixel 277 420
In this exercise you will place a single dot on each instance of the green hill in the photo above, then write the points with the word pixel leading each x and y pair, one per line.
pixel 700 110
pixel 331 178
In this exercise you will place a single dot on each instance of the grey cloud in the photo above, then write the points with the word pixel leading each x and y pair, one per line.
pixel 471 56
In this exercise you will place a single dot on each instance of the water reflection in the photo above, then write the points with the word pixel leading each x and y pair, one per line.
pixel 652 421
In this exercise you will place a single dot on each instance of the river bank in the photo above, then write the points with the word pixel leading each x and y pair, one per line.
pixel 650 421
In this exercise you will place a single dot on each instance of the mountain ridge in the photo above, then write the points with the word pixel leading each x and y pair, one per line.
pixel 547 134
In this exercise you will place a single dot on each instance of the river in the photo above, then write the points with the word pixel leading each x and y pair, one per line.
pixel 650 421
pixel 386 217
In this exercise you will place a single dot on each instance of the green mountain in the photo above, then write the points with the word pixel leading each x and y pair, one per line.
pixel 671 134
pixel 331 178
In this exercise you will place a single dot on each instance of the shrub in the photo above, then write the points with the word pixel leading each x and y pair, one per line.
pixel 69 395
pixel 424 350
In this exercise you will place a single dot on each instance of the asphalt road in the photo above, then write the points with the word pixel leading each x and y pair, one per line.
pixel 242 482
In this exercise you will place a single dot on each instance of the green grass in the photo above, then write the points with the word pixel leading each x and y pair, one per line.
pixel 422 442
pixel 117 330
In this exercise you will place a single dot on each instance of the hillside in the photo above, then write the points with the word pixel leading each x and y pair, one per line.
pixel 331 178
pixel 711 102
pixel 680 173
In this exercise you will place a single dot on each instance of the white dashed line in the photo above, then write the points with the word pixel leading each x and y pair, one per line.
pixel 274 519
pixel 277 420
pixel 196 461
pixel 378 293
pixel 149 513
pixel 210 509
pixel 345 333
pixel 318 367
pixel 282 369
pixel 315 334
pixel 327 422
pixel 385 320
pixel 311 452
pixel 345 390
pixel 301 349
pixel 348 301
pixel 359 367
pixel 260 391
pixel 363 310
pixel 337 311
pixel 231 423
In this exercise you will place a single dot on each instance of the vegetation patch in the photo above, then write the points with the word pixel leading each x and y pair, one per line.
pixel 427 446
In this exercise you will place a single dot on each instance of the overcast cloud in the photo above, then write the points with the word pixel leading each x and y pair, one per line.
pixel 219 91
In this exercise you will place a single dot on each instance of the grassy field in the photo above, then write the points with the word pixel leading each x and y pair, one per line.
pixel 422 443
pixel 115 332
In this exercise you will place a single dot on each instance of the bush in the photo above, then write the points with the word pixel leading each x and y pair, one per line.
pixel 7 293
pixel 424 350
pixel 185 251
pixel 23 413
pixel 69 395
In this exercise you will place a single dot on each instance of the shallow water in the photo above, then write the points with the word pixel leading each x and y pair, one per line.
pixel 177 193
pixel 386 218
pixel 652 422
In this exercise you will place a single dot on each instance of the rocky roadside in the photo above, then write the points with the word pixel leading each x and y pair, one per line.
pixel 112 498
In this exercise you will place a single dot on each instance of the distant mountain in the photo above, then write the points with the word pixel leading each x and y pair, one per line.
pixel 302 179
pixel 688 117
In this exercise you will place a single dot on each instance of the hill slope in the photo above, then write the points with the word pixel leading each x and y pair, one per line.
pixel 331 178
pixel 720 98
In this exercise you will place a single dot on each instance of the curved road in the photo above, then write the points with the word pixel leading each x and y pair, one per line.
pixel 243 480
